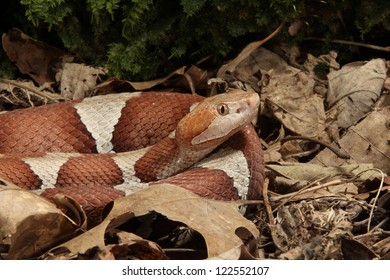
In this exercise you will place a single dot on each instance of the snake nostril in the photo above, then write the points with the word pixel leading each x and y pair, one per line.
pixel 238 110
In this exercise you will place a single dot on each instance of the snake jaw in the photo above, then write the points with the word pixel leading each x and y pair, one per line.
pixel 217 118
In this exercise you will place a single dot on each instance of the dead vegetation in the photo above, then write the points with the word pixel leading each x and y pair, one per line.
pixel 327 154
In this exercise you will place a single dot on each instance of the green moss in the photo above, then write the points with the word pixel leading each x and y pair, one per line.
pixel 143 39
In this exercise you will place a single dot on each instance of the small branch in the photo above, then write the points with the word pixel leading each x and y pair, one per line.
pixel 375 201
pixel 229 67
pixel 338 152
pixel 290 196
pixel 352 43
pixel 267 204
pixel 45 95
pixel 190 82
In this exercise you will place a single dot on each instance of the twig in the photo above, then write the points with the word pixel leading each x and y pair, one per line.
pixel 305 190
pixel 352 43
pixel 375 200
pixel 267 203
pixel 339 153
pixel 378 233
pixel 377 194
pixel 229 67
pixel 271 223
pixel 291 196
pixel 190 82
pixel 384 221
pixel 302 154
pixel 49 96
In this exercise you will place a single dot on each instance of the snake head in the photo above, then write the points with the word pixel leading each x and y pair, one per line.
pixel 217 118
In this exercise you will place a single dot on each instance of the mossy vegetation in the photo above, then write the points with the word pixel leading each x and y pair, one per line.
pixel 143 39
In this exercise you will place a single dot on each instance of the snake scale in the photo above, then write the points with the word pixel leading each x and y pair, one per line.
pixel 108 146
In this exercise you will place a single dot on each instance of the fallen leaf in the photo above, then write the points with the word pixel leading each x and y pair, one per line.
pixel 355 250
pixel 187 80
pixel 230 66
pixel 289 98
pixel 319 66
pixel 77 80
pixel 112 85
pixel 193 80
pixel 310 172
pixel 35 58
pixel 384 200
pixel 311 230
pixel 366 142
pixel 130 246
pixel 30 224
pixel 135 250
pixel 217 221
pixel 354 89
pixel 382 247
pixel 272 154
pixel 263 60
pixel 150 84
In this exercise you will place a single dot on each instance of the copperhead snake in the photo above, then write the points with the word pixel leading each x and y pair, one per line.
pixel 104 147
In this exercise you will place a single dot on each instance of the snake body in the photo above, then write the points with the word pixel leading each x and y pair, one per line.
pixel 104 147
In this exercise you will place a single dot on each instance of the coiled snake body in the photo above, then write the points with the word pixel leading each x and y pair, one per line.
pixel 104 147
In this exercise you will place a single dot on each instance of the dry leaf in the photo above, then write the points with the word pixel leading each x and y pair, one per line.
pixel 47 65
pixel 382 247
pixel 366 195
pixel 354 89
pixel 311 172
pixel 235 78
pixel 312 64
pixel 112 85
pixel 136 250
pixel 272 154
pixel 35 58
pixel 367 142
pixel 193 79
pixel 255 69
pixel 355 250
pixel 263 60
pixel 311 231
pixel 77 80
pixel 150 84
pixel 30 224
pixel 130 246
pixel 384 200
pixel 289 98
pixel 231 66
pixel 217 221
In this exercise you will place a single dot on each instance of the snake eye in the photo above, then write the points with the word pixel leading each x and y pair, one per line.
pixel 223 109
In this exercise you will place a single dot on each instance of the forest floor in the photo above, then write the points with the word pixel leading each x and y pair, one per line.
pixel 325 133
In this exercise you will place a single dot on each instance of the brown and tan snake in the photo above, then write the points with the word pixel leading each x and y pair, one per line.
pixel 104 147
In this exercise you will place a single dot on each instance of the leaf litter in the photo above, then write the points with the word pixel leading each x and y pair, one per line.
pixel 206 217
pixel 317 203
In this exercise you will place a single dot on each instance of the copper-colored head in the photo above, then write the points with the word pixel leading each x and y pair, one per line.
pixel 217 118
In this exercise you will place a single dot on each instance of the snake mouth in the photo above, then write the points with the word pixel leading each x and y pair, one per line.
pixel 216 118
pixel 230 116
